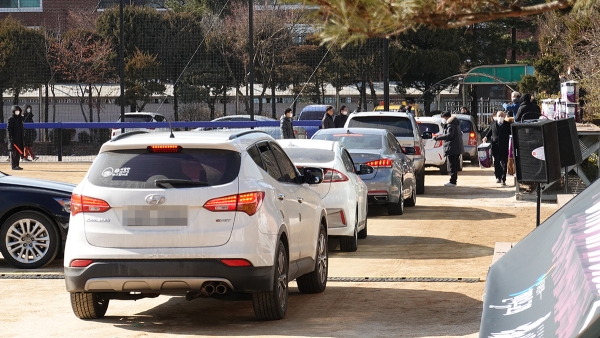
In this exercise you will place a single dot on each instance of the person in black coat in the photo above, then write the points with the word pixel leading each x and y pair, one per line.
pixel 30 135
pixel 16 137
pixel 453 144
pixel 499 131
pixel 340 120
pixel 287 128
pixel 528 109
pixel 327 121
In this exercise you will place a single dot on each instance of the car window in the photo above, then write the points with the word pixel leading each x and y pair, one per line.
pixel 312 115
pixel 352 141
pixel 431 127
pixel 465 126
pixel 398 125
pixel 348 163
pixel 137 118
pixel 303 155
pixel 159 118
pixel 138 168
pixel 393 143
pixel 269 162
pixel 255 155
pixel 288 169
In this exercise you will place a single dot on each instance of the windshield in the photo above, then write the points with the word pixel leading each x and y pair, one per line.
pixel 431 127
pixel 139 169
pixel 465 126
pixel 312 115
pixel 397 125
pixel 303 155
pixel 353 141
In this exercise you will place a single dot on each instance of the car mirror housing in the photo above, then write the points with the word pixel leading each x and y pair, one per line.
pixel 313 175
pixel 364 169
pixel 427 135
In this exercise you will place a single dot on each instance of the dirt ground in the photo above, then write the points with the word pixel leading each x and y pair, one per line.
pixel 450 233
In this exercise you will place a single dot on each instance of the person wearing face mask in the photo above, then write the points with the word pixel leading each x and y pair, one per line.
pixel 16 135
pixel 30 136
pixel 453 144
pixel 500 131
pixel 287 127
pixel 340 120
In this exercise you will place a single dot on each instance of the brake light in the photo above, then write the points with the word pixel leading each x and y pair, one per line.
pixel 247 202
pixel 81 203
pixel 438 144
pixel 343 217
pixel 472 139
pixel 235 262
pixel 332 175
pixel 383 163
pixel 80 263
pixel 417 150
pixel 164 149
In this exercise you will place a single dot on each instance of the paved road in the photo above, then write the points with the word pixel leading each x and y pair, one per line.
pixel 450 234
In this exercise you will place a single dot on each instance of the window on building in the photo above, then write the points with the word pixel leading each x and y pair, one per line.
pixel 20 5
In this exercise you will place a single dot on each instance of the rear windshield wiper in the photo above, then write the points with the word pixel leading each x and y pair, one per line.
pixel 167 183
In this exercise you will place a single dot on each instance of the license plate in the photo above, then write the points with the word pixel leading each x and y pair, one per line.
pixel 162 216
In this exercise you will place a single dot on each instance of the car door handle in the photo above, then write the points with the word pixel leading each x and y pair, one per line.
pixel 300 199
pixel 281 196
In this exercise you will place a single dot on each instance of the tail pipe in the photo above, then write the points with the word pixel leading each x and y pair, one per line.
pixel 208 288
pixel 221 289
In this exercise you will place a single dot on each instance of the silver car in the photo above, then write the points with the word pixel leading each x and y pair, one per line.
pixel 384 165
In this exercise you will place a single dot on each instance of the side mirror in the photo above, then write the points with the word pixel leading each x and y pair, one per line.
pixel 364 169
pixel 409 150
pixel 313 175
pixel 427 135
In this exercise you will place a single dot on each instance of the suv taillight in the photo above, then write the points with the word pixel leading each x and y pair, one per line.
pixel 417 149
pixel 332 175
pixel 472 139
pixel 247 202
pixel 81 203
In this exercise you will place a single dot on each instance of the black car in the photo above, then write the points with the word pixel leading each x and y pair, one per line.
pixel 34 219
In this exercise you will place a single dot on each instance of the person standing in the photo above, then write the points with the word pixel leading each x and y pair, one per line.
pixel 499 131
pixel 528 109
pixel 30 135
pixel 340 120
pixel 16 135
pixel 453 144
pixel 465 111
pixel 327 121
pixel 512 107
pixel 287 127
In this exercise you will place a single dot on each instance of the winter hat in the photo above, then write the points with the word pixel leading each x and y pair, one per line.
pixel 446 114
pixel 15 108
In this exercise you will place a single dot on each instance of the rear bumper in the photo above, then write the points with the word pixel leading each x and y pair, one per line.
pixel 470 153
pixel 165 276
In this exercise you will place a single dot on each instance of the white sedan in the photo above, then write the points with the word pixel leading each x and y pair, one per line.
pixel 343 193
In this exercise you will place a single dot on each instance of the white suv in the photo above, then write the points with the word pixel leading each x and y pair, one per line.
pixel 200 214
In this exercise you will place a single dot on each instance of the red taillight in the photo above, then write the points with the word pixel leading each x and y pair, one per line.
pixel 87 204
pixel 383 163
pixel 80 263
pixel 343 217
pixel 472 139
pixel 332 175
pixel 438 144
pixel 235 262
pixel 417 150
pixel 164 149
pixel 247 202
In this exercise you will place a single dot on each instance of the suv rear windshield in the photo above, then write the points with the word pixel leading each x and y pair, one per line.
pixel 397 125
pixel 465 126
pixel 431 127
pixel 311 115
pixel 139 169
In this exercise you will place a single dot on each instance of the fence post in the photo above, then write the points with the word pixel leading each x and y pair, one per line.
pixel 59 144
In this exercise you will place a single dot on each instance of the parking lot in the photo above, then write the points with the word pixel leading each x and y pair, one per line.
pixel 447 237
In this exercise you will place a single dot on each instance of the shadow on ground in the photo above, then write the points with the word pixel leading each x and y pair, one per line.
pixel 441 213
pixel 341 311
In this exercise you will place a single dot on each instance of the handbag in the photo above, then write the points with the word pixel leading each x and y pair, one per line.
pixel 510 166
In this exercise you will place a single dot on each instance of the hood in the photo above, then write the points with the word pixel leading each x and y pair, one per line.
pixel 453 120
pixel 525 99
pixel 66 188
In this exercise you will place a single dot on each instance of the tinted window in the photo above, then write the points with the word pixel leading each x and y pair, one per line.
pixel 303 155
pixel 287 167
pixel 269 162
pixel 393 144
pixel 397 125
pixel 348 163
pixel 465 126
pixel 312 115
pixel 138 169
pixel 137 118
pixel 159 118
pixel 431 127
pixel 353 141
pixel 255 155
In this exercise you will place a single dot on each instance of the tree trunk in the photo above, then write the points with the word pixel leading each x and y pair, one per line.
pixel 90 102
pixel 474 103
pixel 273 103
pixel 16 98
pixel 260 100
pixel 363 94
pixel 81 102
pixel 225 102
pixel 373 94
pixel 2 131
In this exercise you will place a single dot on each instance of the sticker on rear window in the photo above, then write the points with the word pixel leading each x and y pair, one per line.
pixel 108 172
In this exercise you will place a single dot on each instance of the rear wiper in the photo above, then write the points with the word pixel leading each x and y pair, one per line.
pixel 173 182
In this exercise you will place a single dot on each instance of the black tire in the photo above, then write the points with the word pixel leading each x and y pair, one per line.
pixel 88 305
pixel 363 233
pixel 421 182
pixel 271 305
pixel 396 208
pixel 316 281
pixel 38 243
pixel 412 201
pixel 350 243
pixel 444 168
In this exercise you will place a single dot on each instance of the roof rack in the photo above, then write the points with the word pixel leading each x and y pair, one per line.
pixel 246 132
pixel 127 134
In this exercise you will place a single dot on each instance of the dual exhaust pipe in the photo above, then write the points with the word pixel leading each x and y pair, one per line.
pixel 210 288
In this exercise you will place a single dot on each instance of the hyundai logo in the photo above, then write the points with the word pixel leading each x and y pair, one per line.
pixel 155 199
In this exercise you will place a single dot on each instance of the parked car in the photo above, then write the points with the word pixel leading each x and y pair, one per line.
pixel 404 127
pixel 312 112
pixel 140 117
pixel 274 131
pixel 392 180
pixel 34 220
pixel 200 214
pixel 471 137
pixel 343 193
pixel 434 150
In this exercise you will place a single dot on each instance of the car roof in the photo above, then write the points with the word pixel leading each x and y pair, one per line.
pixel 368 131
pixel 381 113
pixel 143 113
pixel 435 119
pixel 315 107
pixel 458 116
pixel 232 140
pixel 309 144
pixel 256 117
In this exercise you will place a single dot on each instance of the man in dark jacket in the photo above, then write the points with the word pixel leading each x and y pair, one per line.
pixel 287 128
pixel 16 135
pixel 453 144
pixel 340 120
pixel 500 133
pixel 327 121
pixel 528 110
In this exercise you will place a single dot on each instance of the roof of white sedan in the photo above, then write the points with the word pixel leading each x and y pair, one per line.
pixel 308 143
